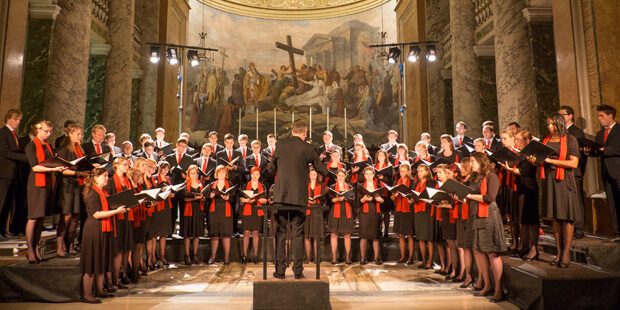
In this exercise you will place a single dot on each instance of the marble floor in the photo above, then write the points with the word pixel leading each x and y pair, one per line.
pixel 388 286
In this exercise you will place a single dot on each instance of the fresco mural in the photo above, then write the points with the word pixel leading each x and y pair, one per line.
pixel 268 73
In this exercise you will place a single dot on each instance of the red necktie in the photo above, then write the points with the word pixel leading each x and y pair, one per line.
pixel 606 134
pixel 229 156
pixel 328 148
pixel 460 141
pixel 179 160
pixel 204 164
pixel 112 151
pixel 98 147
pixel 273 150
pixel 488 144
pixel 15 136
pixel 257 160
pixel 214 149
pixel 243 149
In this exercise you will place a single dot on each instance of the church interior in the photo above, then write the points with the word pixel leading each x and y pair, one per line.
pixel 352 70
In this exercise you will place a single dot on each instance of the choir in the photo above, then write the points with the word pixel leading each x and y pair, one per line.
pixel 218 190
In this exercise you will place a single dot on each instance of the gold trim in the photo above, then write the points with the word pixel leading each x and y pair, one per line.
pixel 295 10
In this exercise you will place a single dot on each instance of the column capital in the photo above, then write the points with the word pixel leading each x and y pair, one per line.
pixel 538 14
pixel 99 49
pixel 484 50
pixel 43 9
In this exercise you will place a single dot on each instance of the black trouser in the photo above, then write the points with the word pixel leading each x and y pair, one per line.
pixel 177 206
pixel 7 191
pixel 297 219
pixel 581 213
pixel 612 189
pixel 20 216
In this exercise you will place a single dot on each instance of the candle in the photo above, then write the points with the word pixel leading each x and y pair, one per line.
pixel 310 117
pixel 345 123
pixel 275 130
pixel 257 123
pixel 327 119
pixel 239 122
pixel 293 117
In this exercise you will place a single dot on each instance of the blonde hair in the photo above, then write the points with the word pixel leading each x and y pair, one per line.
pixel 118 161
pixel 220 167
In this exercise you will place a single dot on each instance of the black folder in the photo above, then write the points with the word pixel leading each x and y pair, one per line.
pixel 361 164
pixel 388 171
pixel 166 149
pixel 253 195
pixel 457 188
pixel 437 196
pixel 539 150
pixel 334 193
pixel 583 142
pixel 504 155
pixel 365 192
pixel 101 159
pixel 218 192
pixel 125 198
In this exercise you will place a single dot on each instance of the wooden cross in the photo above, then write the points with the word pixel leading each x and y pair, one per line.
pixel 291 55
pixel 224 56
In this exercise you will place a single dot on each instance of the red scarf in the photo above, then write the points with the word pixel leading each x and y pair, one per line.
pixel 420 206
pixel 402 205
pixel 150 183
pixel 436 211
pixel 106 223
pixel 247 208
pixel 365 207
pixel 78 152
pixel 328 167
pixel 162 204
pixel 39 180
pixel 454 213
pixel 188 204
pixel 559 171
pixel 397 160
pixel 483 208
pixel 317 191
pixel 464 211
pixel 354 176
pixel 118 186
pixel 137 211
pixel 212 209
pixel 347 206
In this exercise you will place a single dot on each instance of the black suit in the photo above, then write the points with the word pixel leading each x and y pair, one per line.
pixel 10 156
pixel 290 162
pixel 154 156
pixel 466 139
pixel 610 168
pixel 495 144
pixel 432 150
pixel 59 141
pixel 208 169
pixel 268 152
pixel 248 151
pixel 20 217
pixel 265 177
pixel 91 151
pixel 391 150
pixel 131 157
pixel 234 176
pixel 332 148
pixel 177 177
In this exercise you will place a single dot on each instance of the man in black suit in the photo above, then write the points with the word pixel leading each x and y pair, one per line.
pixel 59 140
pixel 351 150
pixel 392 144
pixel 243 148
pixel 515 127
pixel 215 148
pixel 256 159
pixel 126 149
pixel 290 162
pixel 490 141
pixel 10 156
pixel 327 147
pixel 206 164
pixel 143 138
pixel 192 149
pixel 161 144
pixel 148 151
pixel 460 138
pixel 573 130
pixel 271 146
pixel 431 149
pixel 177 176
pixel 224 157
pixel 96 146
pixel 609 138
pixel 110 140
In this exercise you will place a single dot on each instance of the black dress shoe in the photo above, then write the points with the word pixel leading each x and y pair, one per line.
pixel 493 300
pixel 409 262
pixel 278 276
pixel 401 261
pixel 195 260
pixel 121 286
pixel 363 262
pixel 378 262
pixel 244 259
pixel 487 293
pixel 188 261
pixel 110 289
pixel 103 295
pixel 553 262
pixel 94 301
pixel 563 265
pixel 299 276
pixel 449 278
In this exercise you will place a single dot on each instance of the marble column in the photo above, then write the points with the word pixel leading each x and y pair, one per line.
pixel 36 60
pixel 68 67
pixel 487 85
pixel 147 18
pixel 465 74
pixel 134 133
pixel 117 100
pixel 514 72
pixel 14 29
pixel 437 13
pixel 96 83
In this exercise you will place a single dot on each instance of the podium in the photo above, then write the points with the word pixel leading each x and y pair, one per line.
pixel 290 293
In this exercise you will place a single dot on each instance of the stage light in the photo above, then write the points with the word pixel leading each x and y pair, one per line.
pixel 414 54
pixel 154 54
pixel 393 54
pixel 431 53
pixel 173 57
pixel 192 57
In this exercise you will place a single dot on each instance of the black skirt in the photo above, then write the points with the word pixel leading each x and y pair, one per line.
pixel 464 234
pixel 342 225
pixel 220 225
pixel 488 231
pixel 403 223
pixel 448 229
pixel 70 196
pixel 314 225
pixel 252 222
pixel 424 225
pixel 164 226
pixel 95 249
pixel 370 223
pixel 193 226
pixel 529 207
pixel 40 199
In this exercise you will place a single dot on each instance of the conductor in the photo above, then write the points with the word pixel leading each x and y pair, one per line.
pixel 290 161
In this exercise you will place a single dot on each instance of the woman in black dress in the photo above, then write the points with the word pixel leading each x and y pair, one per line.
pixel 402 156
pixel 252 220
pixel 341 220
pixel 370 216
pixel 558 181
pixel 192 222
pixel 314 225
pixel 384 173
pixel 360 154
pixel 40 188
pixel 220 214
pixel 447 151
pixel 138 229
pixel 421 149
pixel 512 194
pixel 151 217
pixel 487 225
pixel 333 167
pixel 403 215
pixel 448 219
pixel 122 243
pixel 424 221
pixel 464 232
pixel 164 210
pixel 70 199
pixel 97 234
pixel 527 200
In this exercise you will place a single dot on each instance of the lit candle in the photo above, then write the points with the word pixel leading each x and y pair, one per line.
pixel 345 123
pixel 293 117
pixel 310 116
pixel 239 122
pixel 275 130
pixel 327 119
pixel 257 123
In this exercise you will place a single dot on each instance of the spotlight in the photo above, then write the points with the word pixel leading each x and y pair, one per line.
pixel 393 54
pixel 192 57
pixel 431 53
pixel 173 57
pixel 154 54
pixel 414 54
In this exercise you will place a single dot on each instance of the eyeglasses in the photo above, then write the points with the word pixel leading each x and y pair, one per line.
pixel 46 131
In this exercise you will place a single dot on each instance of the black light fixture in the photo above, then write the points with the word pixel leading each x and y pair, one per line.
pixel 393 54
pixel 173 57
pixel 154 54
pixel 192 58
pixel 414 54
pixel 431 53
